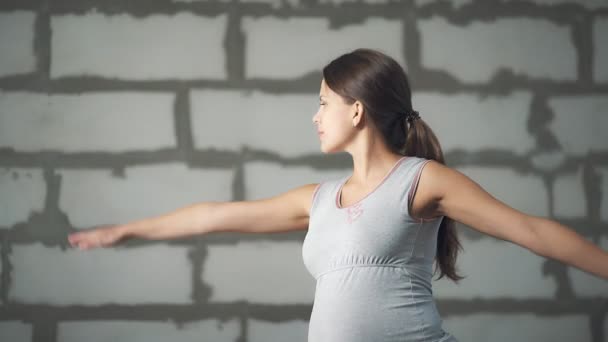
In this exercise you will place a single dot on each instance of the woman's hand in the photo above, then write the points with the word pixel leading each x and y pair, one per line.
pixel 100 236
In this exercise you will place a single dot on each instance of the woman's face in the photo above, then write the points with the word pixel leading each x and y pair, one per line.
pixel 334 119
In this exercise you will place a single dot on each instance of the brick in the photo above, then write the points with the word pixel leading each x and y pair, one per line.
pixel 140 331
pixel 259 184
pixel 454 3
pixel 99 276
pixel 569 196
pixel 180 46
pixel 94 122
pixel 519 327
pixel 548 160
pixel 604 201
pixel 22 192
pixel 17 38
pixel 480 261
pixel 524 192
pixel 15 331
pixel 342 2
pixel 231 119
pixel 281 48
pixel 92 197
pixel 260 331
pixel 471 122
pixel 291 3
pixel 255 264
pixel 600 48
pixel 591 4
pixel 477 51
pixel 585 284
pixel 273 3
pixel 579 123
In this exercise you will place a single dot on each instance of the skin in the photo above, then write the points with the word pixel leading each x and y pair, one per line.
pixel 441 191
pixel 345 128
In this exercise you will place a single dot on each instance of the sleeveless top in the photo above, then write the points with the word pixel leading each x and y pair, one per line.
pixel 373 263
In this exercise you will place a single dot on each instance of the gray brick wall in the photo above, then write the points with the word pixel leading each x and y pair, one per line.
pixel 114 111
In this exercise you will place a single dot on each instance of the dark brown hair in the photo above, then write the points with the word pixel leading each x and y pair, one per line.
pixel 382 86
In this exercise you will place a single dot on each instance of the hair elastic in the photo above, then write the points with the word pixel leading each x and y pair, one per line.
pixel 411 116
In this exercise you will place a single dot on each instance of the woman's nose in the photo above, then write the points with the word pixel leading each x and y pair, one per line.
pixel 315 117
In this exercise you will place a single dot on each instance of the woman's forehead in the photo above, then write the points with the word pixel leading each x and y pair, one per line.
pixel 324 91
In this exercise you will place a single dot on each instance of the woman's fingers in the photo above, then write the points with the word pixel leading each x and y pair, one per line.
pixel 75 238
pixel 97 237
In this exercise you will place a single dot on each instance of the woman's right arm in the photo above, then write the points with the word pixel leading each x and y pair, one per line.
pixel 287 211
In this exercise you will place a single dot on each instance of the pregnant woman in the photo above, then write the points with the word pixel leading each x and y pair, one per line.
pixel 373 236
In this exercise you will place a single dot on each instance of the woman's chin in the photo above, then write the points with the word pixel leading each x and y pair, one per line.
pixel 328 150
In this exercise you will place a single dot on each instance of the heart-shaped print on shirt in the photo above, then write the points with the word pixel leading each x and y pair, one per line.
pixel 354 212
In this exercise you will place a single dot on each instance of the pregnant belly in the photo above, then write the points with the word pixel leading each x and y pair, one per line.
pixel 372 304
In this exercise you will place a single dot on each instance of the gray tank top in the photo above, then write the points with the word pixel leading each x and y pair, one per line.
pixel 373 263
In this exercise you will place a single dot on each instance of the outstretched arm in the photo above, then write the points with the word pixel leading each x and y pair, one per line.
pixel 460 198
pixel 284 212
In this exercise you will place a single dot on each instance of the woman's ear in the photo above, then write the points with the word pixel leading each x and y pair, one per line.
pixel 358 113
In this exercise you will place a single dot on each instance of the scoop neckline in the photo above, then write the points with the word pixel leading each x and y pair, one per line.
pixel 339 192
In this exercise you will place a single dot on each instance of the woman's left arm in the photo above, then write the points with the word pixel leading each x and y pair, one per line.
pixel 462 199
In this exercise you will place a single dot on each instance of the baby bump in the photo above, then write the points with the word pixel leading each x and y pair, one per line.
pixel 365 303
